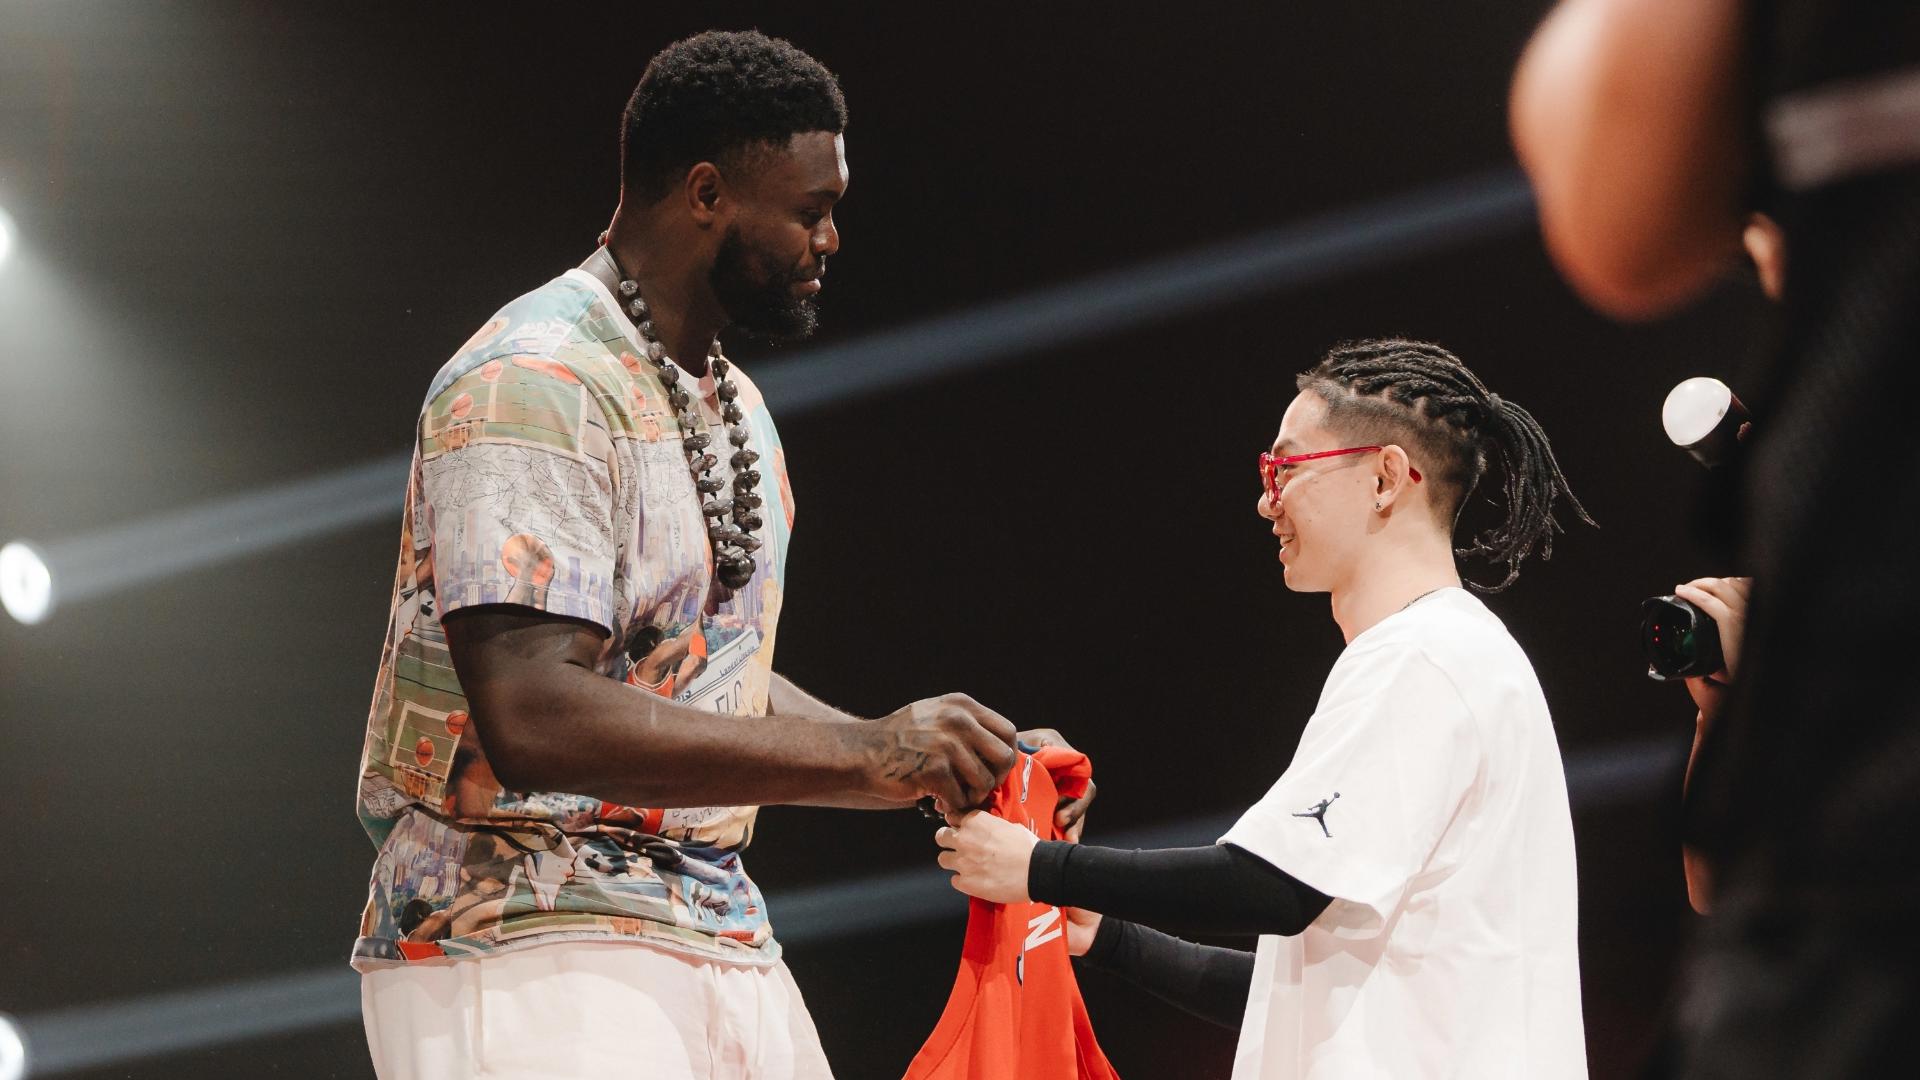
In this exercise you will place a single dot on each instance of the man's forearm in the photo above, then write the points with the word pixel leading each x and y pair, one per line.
pixel 785 699
pixel 1699 872
pixel 578 731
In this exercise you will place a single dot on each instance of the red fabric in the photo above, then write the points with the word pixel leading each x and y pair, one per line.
pixel 1015 1012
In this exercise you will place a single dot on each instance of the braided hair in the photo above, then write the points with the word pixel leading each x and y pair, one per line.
pixel 1421 395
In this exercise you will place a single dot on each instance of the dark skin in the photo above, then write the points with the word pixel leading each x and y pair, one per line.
pixel 781 200
pixel 551 722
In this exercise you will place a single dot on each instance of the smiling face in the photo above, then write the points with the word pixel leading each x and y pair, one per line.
pixel 1325 507
pixel 774 244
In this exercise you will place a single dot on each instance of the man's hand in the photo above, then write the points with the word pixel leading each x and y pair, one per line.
pixel 1069 815
pixel 1082 927
pixel 988 857
pixel 951 747
pixel 1724 600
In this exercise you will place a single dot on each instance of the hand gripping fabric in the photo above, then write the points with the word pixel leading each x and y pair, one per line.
pixel 1015 1012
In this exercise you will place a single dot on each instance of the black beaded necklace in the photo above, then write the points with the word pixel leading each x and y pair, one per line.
pixel 733 541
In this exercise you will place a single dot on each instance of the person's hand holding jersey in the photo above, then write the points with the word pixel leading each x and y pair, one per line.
pixel 1082 927
pixel 988 857
pixel 1069 815
pixel 951 748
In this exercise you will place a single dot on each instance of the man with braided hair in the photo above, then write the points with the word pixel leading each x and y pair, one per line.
pixel 1411 874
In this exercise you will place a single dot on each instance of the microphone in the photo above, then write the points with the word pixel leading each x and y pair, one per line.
pixel 1704 417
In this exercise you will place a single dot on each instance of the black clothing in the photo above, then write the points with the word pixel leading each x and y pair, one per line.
pixel 1218 889
pixel 1206 980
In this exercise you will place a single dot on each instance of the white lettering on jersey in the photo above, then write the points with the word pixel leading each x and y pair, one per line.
pixel 1041 929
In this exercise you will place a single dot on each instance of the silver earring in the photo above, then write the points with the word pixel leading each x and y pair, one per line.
pixel 1376 505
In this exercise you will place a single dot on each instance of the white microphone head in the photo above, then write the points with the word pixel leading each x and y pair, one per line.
pixel 1694 408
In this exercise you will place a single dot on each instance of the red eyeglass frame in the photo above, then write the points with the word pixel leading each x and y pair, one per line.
pixel 1270 465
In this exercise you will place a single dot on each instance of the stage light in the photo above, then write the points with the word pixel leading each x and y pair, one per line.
pixel 13 1050
pixel 6 248
pixel 26 590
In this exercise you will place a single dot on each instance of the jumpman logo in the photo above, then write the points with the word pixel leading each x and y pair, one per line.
pixel 1318 812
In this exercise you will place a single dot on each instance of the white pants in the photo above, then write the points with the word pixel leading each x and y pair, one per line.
pixel 576 1010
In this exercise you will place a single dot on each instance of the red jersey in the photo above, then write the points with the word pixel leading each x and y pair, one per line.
pixel 1015 1012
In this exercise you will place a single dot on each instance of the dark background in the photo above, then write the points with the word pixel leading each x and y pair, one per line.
pixel 249 234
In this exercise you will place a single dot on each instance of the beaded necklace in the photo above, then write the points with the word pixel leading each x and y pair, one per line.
pixel 731 521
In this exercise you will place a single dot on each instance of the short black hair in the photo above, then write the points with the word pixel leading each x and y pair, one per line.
pixel 715 95
pixel 1420 396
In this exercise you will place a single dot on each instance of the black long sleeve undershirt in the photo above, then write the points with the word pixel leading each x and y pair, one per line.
pixel 1218 889
pixel 1208 981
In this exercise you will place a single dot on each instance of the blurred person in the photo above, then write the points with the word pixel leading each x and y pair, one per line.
pixel 1411 873
pixel 576 714
pixel 1650 132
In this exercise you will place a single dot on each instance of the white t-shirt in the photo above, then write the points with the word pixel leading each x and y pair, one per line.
pixel 1428 799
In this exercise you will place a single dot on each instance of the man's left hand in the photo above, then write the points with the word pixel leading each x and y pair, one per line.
pixel 988 857
pixel 1069 815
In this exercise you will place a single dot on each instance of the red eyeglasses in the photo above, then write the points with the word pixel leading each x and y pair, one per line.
pixel 1270 466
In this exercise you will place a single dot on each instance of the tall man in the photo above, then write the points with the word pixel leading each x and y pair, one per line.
pixel 576 712
pixel 1411 872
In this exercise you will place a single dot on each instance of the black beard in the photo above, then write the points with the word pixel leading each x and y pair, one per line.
pixel 759 304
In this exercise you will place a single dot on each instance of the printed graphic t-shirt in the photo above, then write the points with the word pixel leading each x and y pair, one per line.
pixel 548 473
pixel 1015 1010
pixel 1428 799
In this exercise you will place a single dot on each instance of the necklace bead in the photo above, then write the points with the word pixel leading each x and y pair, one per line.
pixel 735 571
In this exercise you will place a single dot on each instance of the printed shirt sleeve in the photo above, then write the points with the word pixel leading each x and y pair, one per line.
pixel 1382 769
pixel 518 475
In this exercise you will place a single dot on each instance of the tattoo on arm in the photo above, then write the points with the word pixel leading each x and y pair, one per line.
pixel 907 771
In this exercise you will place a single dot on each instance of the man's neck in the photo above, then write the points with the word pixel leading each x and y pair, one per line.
pixel 686 317
pixel 1390 582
